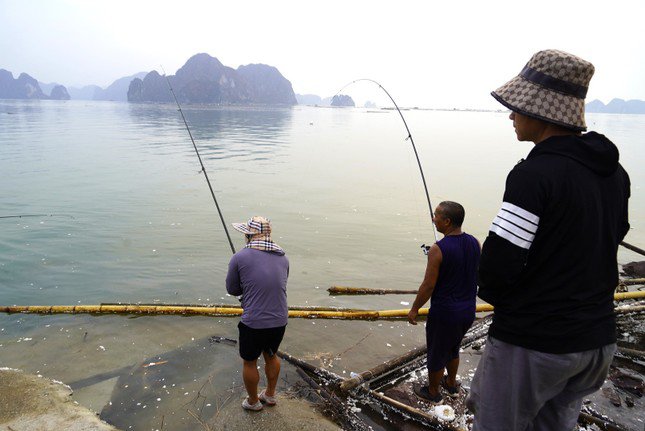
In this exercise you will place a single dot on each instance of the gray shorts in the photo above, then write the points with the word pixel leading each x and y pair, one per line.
pixel 518 389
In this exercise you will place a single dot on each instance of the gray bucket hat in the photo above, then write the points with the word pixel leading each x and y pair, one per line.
pixel 551 87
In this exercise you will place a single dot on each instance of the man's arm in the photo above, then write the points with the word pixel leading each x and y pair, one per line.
pixel 505 251
pixel 233 286
pixel 429 281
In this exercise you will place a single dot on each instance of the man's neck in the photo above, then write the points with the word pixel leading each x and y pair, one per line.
pixel 551 130
pixel 453 231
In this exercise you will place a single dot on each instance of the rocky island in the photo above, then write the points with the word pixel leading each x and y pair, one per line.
pixel 617 106
pixel 342 100
pixel 204 79
pixel 26 87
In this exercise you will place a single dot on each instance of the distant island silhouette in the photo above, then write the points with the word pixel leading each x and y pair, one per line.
pixel 616 106
pixel 204 79
pixel 26 87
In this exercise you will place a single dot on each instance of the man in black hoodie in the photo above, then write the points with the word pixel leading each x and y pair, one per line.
pixel 549 263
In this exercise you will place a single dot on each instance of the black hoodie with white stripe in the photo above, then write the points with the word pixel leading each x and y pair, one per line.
pixel 549 263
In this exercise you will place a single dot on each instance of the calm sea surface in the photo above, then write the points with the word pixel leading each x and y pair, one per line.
pixel 132 220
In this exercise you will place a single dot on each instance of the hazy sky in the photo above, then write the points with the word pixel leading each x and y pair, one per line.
pixel 426 53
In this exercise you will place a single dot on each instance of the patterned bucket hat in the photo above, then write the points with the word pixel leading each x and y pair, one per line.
pixel 551 87
pixel 260 230
pixel 255 226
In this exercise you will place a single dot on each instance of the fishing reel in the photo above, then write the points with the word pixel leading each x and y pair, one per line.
pixel 425 248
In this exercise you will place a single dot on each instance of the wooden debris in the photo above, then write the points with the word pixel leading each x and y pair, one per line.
pixel 385 367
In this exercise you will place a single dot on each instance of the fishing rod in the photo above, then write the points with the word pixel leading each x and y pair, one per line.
pixel 200 161
pixel 414 147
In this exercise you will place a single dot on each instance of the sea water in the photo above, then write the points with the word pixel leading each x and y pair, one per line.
pixel 125 215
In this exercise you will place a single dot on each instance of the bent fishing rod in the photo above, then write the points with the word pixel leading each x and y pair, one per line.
pixel 414 147
pixel 200 161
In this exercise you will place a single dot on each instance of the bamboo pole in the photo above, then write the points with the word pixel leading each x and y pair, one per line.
pixel 603 424
pixel 385 368
pixel 413 411
pixel 343 314
pixel 322 372
pixel 633 248
pixel 338 409
pixel 632 281
pixel 629 295
pixel 348 314
pixel 351 383
pixel 235 306
pixel 346 290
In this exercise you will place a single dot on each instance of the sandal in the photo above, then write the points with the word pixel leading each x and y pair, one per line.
pixel 453 391
pixel 422 392
pixel 254 407
pixel 269 401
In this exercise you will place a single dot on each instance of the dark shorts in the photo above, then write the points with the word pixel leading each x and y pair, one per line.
pixel 255 341
pixel 444 332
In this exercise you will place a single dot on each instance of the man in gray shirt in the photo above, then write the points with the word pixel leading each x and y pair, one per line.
pixel 259 273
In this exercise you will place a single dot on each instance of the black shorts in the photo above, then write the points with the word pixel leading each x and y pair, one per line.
pixel 444 332
pixel 255 341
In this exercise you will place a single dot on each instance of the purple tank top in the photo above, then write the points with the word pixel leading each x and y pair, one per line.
pixel 456 287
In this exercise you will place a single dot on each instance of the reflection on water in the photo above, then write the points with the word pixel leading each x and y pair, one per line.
pixel 220 133
pixel 133 221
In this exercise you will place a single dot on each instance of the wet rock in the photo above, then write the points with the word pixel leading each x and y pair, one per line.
pixel 629 401
pixel 635 269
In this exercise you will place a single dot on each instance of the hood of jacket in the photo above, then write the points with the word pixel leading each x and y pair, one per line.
pixel 592 150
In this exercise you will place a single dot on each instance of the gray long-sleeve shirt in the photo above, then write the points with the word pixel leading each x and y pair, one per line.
pixel 261 278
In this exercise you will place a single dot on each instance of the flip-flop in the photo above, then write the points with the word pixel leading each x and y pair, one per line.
pixel 453 391
pixel 422 392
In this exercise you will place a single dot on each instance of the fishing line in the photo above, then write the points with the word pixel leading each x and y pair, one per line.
pixel 200 161
pixel 414 147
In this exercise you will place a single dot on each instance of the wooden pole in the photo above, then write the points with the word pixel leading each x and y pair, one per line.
pixel 387 367
pixel 601 423
pixel 351 383
pixel 346 290
pixel 319 371
pixel 343 314
pixel 632 281
pixel 414 412
pixel 633 248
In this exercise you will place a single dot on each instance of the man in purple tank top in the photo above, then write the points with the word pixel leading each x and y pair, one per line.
pixel 259 273
pixel 450 283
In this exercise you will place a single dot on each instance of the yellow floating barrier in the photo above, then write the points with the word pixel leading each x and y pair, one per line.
pixel 224 310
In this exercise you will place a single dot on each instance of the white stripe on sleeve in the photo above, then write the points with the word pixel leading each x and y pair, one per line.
pixel 515 230
pixel 510 237
pixel 516 225
pixel 520 212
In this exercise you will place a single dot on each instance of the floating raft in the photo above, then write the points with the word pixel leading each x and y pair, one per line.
pixel 385 393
